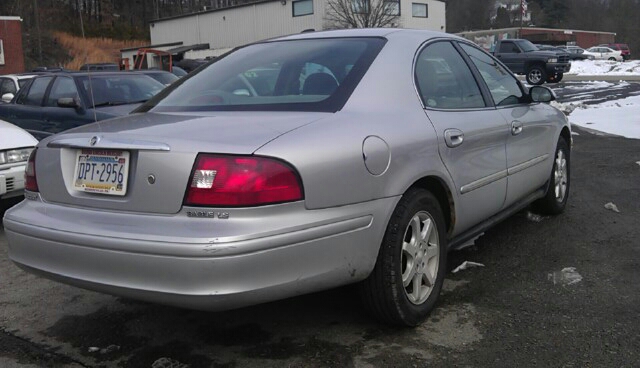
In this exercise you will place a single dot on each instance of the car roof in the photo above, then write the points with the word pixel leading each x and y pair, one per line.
pixel 364 32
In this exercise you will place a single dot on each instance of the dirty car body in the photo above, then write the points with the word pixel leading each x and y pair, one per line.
pixel 292 166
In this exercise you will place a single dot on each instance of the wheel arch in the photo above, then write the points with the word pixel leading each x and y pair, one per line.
pixel 565 133
pixel 443 194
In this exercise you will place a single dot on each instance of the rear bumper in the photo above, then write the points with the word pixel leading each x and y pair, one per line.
pixel 309 251
pixel 12 182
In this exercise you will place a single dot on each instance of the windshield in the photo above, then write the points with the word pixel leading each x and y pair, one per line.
pixel 296 75
pixel 526 46
pixel 119 89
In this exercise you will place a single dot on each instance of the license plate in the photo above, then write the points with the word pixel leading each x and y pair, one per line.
pixel 102 171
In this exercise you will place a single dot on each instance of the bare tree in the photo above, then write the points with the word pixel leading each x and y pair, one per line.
pixel 362 13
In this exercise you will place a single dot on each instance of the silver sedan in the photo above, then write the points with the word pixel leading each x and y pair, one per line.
pixel 295 165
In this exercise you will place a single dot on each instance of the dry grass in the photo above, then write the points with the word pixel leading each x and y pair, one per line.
pixel 93 50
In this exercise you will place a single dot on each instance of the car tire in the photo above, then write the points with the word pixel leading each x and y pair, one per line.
pixel 536 75
pixel 405 283
pixel 555 200
pixel 612 59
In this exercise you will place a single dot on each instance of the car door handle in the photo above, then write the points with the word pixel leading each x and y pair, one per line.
pixel 516 127
pixel 453 137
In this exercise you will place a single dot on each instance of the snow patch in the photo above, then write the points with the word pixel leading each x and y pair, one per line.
pixel 617 117
pixel 599 67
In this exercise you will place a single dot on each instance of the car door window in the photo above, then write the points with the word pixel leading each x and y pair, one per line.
pixel 444 80
pixel 7 86
pixel 36 92
pixel 504 88
pixel 63 87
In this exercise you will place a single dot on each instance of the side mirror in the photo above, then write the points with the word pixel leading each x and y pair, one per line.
pixel 7 97
pixel 541 94
pixel 68 102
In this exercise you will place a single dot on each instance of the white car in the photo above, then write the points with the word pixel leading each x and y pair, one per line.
pixel 10 85
pixel 15 147
pixel 604 53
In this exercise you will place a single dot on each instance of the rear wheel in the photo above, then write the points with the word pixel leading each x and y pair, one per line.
pixel 612 59
pixel 555 200
pixel 407 278
pixel 536 75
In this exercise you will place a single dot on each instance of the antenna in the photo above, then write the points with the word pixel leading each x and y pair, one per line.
pixel 93 101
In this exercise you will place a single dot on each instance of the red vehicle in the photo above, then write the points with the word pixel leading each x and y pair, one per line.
pixel 622 47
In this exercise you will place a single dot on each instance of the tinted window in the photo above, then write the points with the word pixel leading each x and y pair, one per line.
pixel 63 87
pixel 508 47
pixel 444 79
pixel 298 75
pixel 119 89
pixel 36 92
pixel 504 88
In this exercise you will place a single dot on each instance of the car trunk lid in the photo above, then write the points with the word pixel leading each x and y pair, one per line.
pixel 161 150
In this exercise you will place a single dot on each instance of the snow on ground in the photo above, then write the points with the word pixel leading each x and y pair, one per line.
pixel 620 117
pixel 600 67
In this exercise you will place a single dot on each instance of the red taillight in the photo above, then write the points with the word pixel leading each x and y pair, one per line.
pixel 30 182
pixel 240 181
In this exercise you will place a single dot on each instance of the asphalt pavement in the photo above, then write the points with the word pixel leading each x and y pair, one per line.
pixel 559 291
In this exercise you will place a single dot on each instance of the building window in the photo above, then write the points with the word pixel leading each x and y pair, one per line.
pixel 419 10
pixel 302 7
pixel 392 7
pixel 360 6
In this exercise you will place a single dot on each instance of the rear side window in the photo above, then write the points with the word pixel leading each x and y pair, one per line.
pixel 444 80
pixel 296 75
pixel 34 96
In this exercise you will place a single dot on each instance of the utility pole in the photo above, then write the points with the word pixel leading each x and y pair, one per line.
pixel 37 19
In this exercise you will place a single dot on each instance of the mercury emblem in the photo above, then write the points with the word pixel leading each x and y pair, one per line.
pixel 94 140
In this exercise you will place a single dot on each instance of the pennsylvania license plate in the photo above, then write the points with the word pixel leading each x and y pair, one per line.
pixel 102 171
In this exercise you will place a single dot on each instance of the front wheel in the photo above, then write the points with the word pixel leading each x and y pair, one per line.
pixel 536 75
pixel 555 78
pixel 555 200
pixel 407 278
pixel 612 59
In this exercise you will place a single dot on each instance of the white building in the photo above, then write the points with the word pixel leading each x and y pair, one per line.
pixel 227 28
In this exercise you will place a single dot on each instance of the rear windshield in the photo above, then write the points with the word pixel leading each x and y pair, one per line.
pixel 296 75
pixel 164 78
pixel 119 89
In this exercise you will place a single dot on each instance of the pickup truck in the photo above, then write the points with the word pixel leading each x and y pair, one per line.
pixel 524 58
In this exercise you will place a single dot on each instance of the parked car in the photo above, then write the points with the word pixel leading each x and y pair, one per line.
pixel 11 83
pixel 52 103
pixel 622 47
pixel 374 153
pixel 604 53
pixel 15 147
pixel 577 53
pixel 161 76
pixel 178 71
